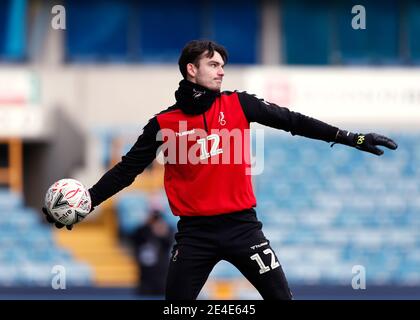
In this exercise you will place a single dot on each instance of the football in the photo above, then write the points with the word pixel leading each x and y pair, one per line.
pixel 68 201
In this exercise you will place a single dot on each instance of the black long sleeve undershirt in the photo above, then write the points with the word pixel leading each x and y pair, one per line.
pixel 132 164
pixel 270 114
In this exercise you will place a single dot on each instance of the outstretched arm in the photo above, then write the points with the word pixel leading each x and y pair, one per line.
pixel 132 164
pixel 272 115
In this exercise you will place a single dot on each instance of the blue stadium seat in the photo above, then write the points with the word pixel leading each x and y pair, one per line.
pixel 225 270
pixel 9 275
pixel 28 249
pixel 78 274
pixel 325 216
pixel 9 200
pixel 133 208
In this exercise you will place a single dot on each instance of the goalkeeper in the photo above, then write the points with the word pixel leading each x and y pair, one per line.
pixel 214 199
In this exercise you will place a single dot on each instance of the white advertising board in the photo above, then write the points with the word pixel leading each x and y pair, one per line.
pixel 383 96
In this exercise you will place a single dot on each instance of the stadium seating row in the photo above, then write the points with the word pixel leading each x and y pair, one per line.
pixel 28 255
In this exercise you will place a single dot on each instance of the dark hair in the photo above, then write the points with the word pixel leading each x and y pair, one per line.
pixel 193 50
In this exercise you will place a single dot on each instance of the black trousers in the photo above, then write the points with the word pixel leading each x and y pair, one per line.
pixel 201 242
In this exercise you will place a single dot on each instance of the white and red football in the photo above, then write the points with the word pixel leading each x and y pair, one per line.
pixel 68 201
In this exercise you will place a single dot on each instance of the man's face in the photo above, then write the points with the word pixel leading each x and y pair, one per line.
pixel 209 72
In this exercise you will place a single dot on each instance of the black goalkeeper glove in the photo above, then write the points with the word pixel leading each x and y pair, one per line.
pixel 365 142
pixel 56 223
